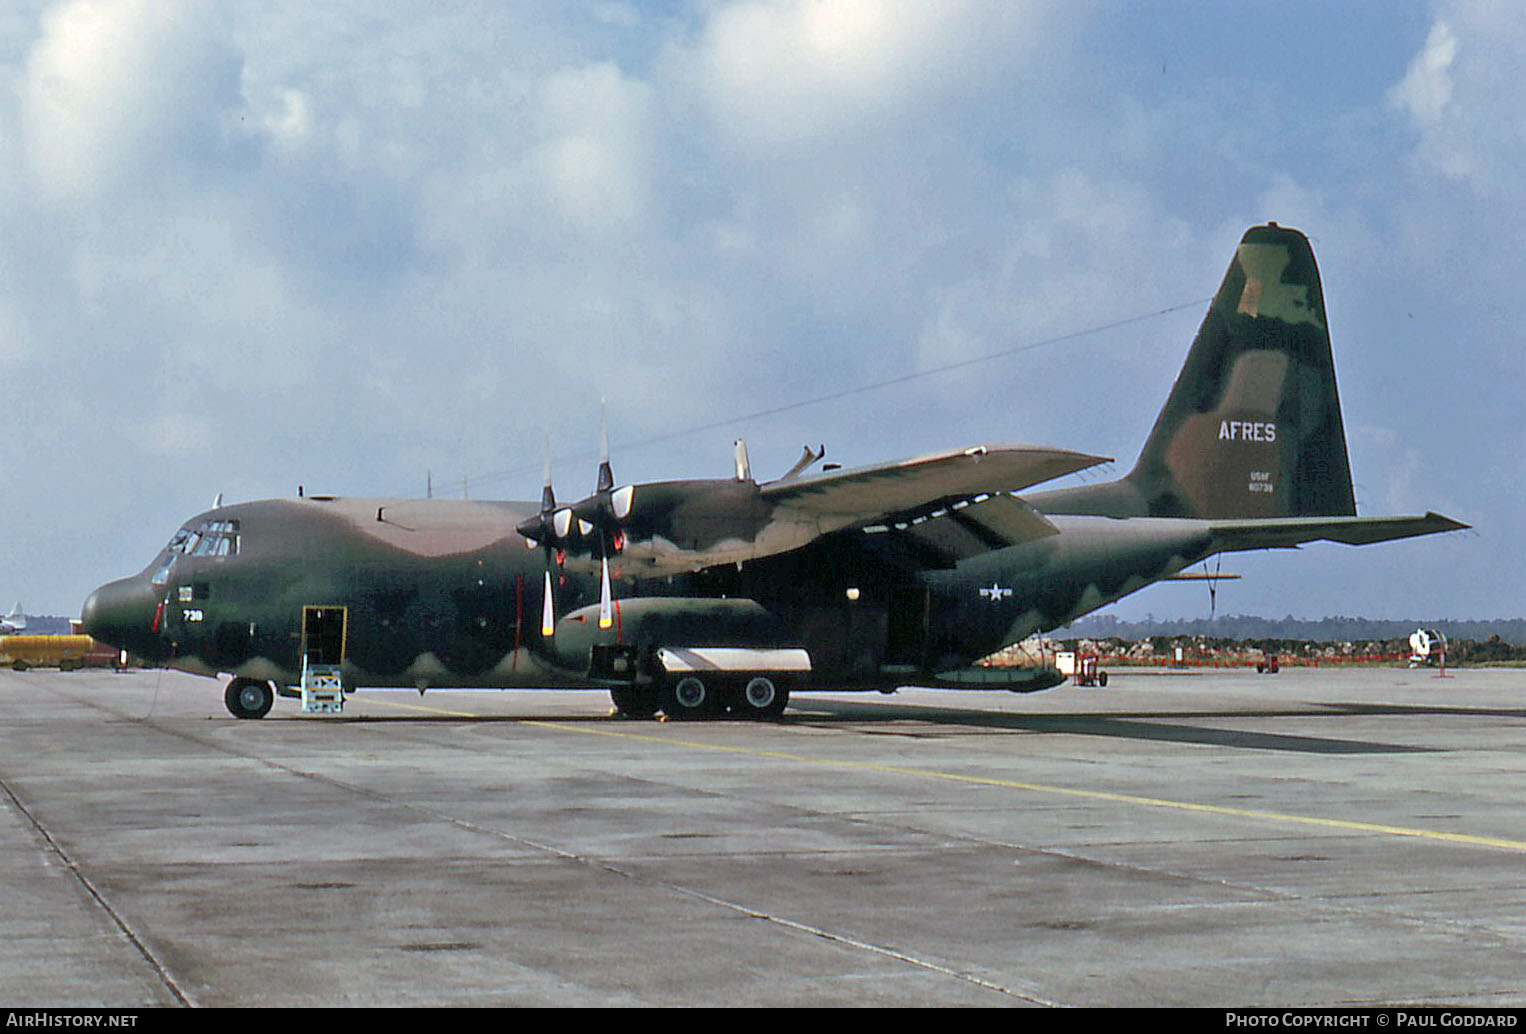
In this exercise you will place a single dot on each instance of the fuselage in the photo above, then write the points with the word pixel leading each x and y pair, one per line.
pixel 443 593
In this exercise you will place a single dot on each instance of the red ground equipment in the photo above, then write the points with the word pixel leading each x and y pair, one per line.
pixel 1087 673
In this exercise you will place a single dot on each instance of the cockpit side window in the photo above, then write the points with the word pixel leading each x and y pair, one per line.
pixel 162 572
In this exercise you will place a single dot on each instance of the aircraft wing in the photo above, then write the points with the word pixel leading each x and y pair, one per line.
pixel 1290 532
pixel 943 507
pixel 869 493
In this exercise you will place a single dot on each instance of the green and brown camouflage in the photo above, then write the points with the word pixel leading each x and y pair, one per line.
pixel 728 594
pixel 1252 427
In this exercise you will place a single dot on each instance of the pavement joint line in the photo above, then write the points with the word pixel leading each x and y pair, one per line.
pixel 70 866
pixel 1348 825
pixel 698 895
pixel 565 855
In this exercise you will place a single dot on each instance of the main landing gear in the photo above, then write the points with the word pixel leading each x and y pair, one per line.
pixel 693 696
pixel 249 698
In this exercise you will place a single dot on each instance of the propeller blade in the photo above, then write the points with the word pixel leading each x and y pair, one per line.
pixel 606 597
pixel 606 479
pixel 547 496
pixel 548 609
pixel 551 533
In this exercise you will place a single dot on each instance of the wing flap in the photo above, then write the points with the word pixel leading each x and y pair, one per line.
pixel 968 528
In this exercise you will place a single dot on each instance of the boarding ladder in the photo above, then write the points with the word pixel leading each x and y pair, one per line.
pixel 322 687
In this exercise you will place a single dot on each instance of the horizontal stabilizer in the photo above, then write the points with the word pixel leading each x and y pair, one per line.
pixel 1289 532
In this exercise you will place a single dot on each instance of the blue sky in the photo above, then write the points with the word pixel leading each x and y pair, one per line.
pixel 252 245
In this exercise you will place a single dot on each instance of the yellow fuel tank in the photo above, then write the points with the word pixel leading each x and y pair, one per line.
pixel 65 652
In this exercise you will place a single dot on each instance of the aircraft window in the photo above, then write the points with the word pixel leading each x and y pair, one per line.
pixel 218 538
pixel 162 574
pixel 210 538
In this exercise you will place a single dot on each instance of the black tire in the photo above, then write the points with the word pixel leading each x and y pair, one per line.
pixel 249 698
pixel 1101 678
pixel 689 696
pixel 635 701
pixel 760 697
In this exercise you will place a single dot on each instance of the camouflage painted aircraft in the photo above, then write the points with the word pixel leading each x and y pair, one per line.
pixel 695 598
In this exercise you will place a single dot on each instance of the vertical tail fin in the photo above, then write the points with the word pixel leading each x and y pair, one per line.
pixel 15 621
pixel 1252 427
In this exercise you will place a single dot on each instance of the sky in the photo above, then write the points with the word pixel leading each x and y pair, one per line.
pixel 363 247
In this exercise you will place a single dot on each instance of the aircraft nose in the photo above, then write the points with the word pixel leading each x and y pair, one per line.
pixel 121 614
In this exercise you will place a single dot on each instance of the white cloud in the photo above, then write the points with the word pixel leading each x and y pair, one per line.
pixel 788 72
pixel 1426 89
pixel 118 90
pixel 1066 251
pixel 593 164
pixel 177 435
pixel 1461 94
pixel 290 121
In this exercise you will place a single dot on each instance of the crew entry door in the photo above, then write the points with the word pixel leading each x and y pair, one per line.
pixel 323 645
pixel 324 635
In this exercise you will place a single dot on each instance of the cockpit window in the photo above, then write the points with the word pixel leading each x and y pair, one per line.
pixel 209 538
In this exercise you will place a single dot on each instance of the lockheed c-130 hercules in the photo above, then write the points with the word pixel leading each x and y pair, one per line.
pixel 694 598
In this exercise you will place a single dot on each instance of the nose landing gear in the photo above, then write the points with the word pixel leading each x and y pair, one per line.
pixel 249 698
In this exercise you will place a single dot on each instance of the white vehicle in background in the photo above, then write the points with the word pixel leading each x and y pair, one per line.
pixel 1427 647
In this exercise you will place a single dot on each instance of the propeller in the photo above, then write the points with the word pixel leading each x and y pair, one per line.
pixel 549 529
pixel 604 512
pixel 599 519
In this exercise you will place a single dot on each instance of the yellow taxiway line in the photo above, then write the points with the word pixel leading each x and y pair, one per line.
pixel 1346 825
